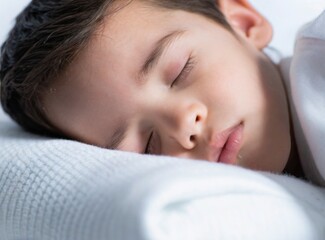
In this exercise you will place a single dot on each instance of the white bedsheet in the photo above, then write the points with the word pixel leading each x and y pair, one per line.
pixel 58 189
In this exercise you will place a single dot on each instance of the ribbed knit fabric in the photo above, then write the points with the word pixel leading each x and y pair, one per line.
pixel 54 189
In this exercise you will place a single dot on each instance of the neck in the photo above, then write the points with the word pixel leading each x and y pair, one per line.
pixel 293 166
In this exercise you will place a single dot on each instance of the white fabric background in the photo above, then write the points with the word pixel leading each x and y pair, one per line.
pixel 8 11
pixel 287 16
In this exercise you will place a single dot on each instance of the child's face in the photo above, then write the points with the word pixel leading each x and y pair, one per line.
pixel 200 82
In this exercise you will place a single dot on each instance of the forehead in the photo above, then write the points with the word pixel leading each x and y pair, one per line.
pixel 136 15
pixel 125 34
pixel 141 19
pixel 124 41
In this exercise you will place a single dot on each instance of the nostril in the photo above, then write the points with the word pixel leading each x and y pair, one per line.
pixel 198 118
pixel 192 138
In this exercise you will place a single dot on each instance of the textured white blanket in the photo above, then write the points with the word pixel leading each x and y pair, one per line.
pixel 57 189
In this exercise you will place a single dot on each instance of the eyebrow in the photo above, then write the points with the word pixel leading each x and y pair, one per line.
pixel 155 55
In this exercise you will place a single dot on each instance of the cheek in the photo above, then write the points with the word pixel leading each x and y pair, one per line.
pixel 122 93
pixel 231 91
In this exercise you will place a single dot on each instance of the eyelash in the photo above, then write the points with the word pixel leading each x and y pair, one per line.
pixel 148 149
pixel 185 71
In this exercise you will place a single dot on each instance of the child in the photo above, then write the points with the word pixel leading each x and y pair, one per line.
pixel 166 77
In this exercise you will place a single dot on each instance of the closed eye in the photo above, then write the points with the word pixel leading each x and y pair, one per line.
pixel 185 71
pixel 148 149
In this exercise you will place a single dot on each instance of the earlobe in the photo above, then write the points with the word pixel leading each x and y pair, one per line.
pixel 247 22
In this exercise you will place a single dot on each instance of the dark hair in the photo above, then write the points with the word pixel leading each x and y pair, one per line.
pixel 47 37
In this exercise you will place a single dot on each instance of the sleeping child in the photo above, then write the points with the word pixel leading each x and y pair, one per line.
pixel 168 77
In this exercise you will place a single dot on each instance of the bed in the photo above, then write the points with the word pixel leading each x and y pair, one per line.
pixel 54 189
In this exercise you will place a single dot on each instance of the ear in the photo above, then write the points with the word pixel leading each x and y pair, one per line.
pixel 247 22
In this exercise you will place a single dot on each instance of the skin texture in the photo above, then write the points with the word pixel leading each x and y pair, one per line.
pixel 228 81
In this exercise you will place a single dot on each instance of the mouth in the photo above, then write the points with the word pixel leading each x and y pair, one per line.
pixel 226 145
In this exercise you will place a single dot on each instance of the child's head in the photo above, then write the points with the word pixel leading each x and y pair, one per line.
pixel 189 77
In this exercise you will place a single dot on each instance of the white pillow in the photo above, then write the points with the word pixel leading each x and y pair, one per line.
pixel 57 189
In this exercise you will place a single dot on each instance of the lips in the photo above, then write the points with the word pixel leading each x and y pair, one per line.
pixel 225 146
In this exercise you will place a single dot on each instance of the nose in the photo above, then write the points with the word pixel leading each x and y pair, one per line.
pixel 188 122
